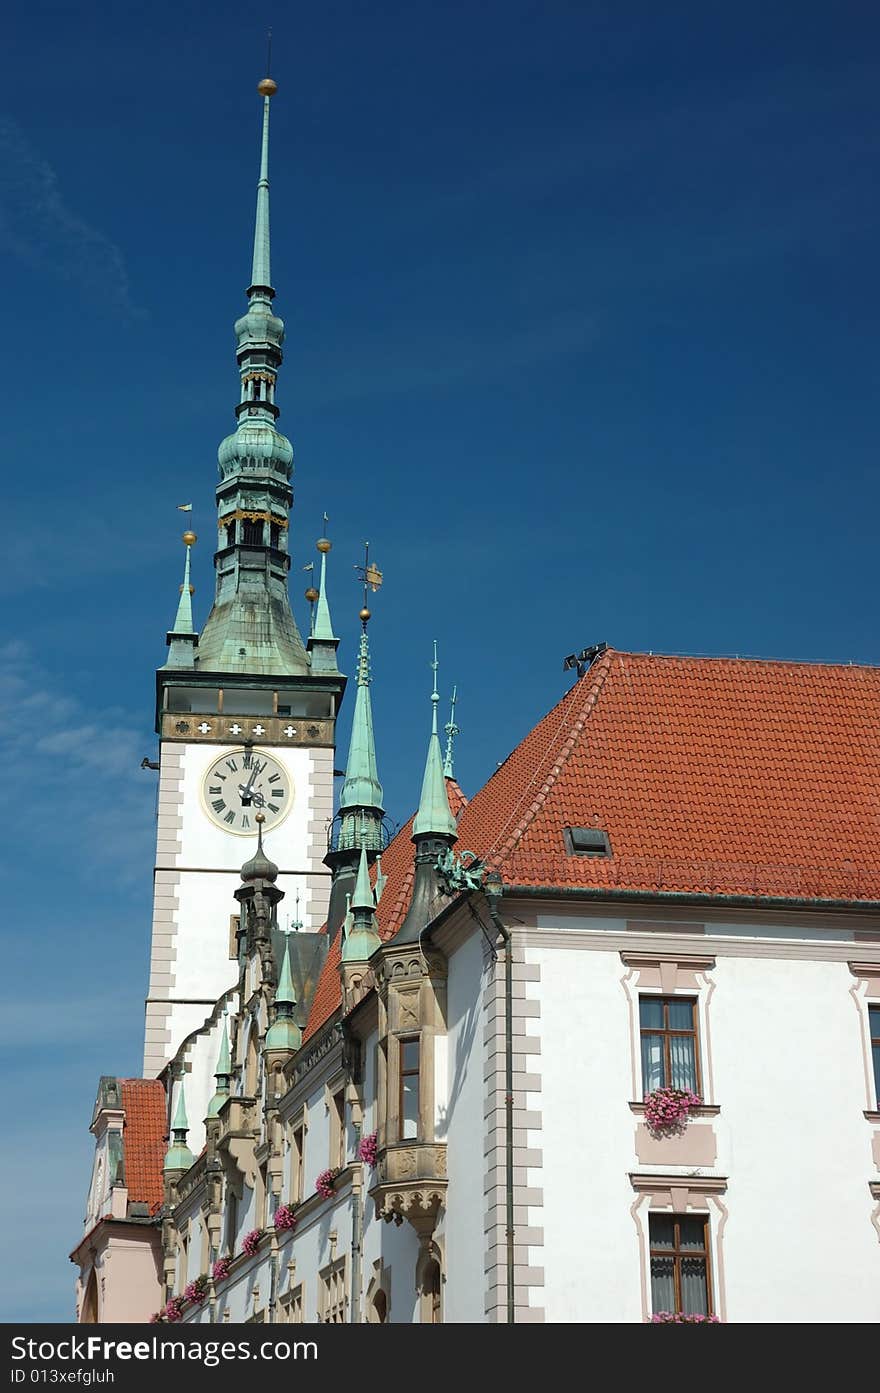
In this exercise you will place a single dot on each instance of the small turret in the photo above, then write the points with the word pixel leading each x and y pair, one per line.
pixel 182 638
pixel 178 1157
pixel 223 1074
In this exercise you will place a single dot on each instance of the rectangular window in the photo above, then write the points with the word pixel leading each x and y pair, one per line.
pixel 409 1089
pixel 297 1158
pixel 680 1264
pixel 291 1307
pixel 337 1129
pixel 670 1058
pixel 331 1297
pixel 874 1019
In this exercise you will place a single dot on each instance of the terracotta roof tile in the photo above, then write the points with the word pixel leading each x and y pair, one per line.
pixel 709 775
pixel 145 1131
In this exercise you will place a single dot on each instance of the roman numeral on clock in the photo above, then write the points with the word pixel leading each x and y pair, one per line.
pixel 230 816
pixel 218 805
pixel 215 788
pixel 231 764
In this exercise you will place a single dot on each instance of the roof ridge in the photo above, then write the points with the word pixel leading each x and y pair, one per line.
pixel 602 668
pixel 750 658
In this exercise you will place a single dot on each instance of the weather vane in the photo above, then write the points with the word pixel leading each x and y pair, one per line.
pixel 371 577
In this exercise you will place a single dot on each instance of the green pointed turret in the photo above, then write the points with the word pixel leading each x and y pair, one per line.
pixel 284 1033
pixel 362 940
pixel 434 818
pixel 322 642
pixel 222 1073
pixel 360 802
pixel 451 731
pixel 251 627
pixel 182 638
pixel 178 1157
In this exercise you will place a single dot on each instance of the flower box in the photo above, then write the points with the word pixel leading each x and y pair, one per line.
pixel 251 1241
pixel 285 1218
pixel 667 1109
pixel 324 1185
pixel 368 1151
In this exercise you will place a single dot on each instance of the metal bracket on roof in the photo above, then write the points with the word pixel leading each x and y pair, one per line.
pixel 460 871
pixel 582 660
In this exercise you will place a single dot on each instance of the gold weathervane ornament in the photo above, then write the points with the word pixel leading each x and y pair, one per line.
pixel 371 577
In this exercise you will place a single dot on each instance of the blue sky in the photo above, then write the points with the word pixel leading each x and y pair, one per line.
pixel 582 306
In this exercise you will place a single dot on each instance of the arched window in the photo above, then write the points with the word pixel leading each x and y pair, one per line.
pixel 429 1282
pixel 379 1308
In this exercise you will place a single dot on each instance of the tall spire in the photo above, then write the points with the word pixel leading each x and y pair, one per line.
pixel 261 273
pixel 433 818
pixel 284 1033
pixel 182 638
pixel 434 832
pixel 251 627
pixel 360 802
pixel 451 731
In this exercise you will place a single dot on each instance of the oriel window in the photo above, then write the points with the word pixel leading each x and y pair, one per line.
pixel 409 1088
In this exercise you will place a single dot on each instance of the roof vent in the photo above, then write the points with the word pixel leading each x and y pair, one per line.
pixel 586 841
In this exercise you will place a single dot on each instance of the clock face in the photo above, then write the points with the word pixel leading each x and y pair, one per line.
pixel 241 783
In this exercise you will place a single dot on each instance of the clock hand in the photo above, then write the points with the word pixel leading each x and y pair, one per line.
pixel 245 789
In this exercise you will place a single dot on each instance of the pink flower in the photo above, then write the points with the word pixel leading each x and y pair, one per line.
pixel 196 1291
pixel 251 1241
pixel 285 1218
pixel 668 1108
pixel 174 1309
pixel 679 1318
pixel 368 1151
pixel 324 1182
pixel 221 1269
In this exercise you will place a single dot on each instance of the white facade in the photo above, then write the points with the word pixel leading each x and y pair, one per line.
pixel 198 867
pixel 782 1158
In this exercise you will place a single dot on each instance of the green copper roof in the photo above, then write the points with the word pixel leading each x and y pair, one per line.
pixel 285 992
pixel 361 788
pixel 178 1156
pixel 222 1074
pixel 261 273
pixel 182 638
pixel 451 731
pixel 251 628
pixel 323 626
pixel 183 623
pixel 433 817
pixel 284 1033
pixel 362 940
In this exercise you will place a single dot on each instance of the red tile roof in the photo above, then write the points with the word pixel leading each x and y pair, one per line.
pixel 725 776
pixel 143 1139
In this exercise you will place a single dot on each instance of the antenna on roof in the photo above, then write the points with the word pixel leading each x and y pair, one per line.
pixel 582 660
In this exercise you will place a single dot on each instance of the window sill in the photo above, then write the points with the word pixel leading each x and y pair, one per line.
pixel 872 1116
pixel 704 1110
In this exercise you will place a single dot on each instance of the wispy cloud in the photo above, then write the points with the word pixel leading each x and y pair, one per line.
pixel 102 811
pixel 39 227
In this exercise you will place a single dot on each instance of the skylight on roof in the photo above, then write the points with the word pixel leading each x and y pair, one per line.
pixel 586 841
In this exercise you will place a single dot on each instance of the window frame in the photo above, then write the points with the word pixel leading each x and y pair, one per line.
pixel 667 1032
pixel 416 1073
pixel 874 1043
pixel 678 1254
pixel 338 1139
pixel 296 1187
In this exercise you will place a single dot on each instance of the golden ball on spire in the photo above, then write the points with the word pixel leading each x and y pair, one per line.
pixel 323 544
pixel 364 615
pixel 189 539
pixel 311 594
pixel 267 88
pixel 260 817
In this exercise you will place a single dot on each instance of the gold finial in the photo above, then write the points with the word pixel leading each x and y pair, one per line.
pixel 311 594
pixel 189 539
pixel 260 818
pixel 323 544
pixel 364 615
pixel 267 87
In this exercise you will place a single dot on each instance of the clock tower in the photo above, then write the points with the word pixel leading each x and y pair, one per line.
pixel 245 711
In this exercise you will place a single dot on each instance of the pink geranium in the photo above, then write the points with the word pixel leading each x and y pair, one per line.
pixel 284 1218
pixel 368 1150
pixel 667 1109
pixel 196 1291
pixel 251 1241
pixel 221 1269
pixel 174 1309
pixel 679 1318
pixel 324 1183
